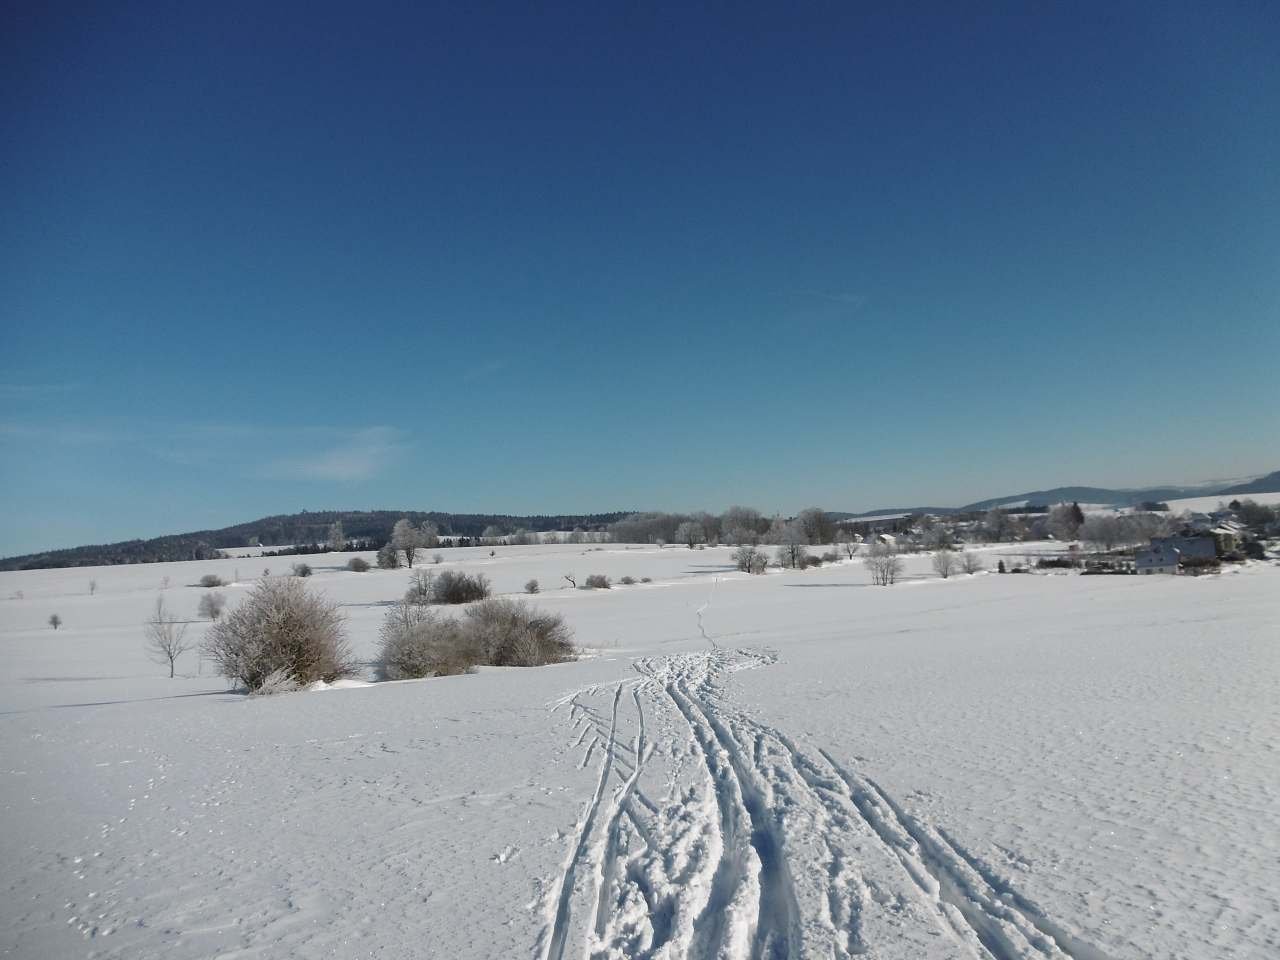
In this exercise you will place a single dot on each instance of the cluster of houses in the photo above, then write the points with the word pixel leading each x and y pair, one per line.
pixel 1204 540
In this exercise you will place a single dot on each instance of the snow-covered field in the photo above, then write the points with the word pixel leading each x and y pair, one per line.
pixel 795 765
pixel 1208 504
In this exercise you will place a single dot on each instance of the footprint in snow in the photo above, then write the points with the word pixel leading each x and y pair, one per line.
pixel 505 854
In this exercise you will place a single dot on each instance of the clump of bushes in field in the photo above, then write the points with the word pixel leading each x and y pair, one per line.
pixel 447 587
pixel 302 569
pixel 597 581
pixel 358 565
pixel 417 641
pixel 212 580
pixel 627 581
pixel 750 559
pixel 531 586
pixel 282 636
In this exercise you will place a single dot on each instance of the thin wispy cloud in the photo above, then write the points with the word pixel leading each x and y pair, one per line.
pixel 19 391
pixel 361 455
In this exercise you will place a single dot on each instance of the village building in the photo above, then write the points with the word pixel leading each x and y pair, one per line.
pixel 1157 558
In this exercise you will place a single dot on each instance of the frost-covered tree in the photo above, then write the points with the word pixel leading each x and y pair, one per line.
pixel 212 605
pixel 846 544
pixel 1063 522
pixel 388 557
pixel 998 525
pixel 690 533
pixel 166 637
pixel 970 562
pixel 884 564
pixel 750 560
pixel 791 552
pixel 337 539
pixel 405 536
pixel 741 525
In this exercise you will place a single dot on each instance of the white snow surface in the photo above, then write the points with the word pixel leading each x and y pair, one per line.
pixel 1209 504
pixel 793 765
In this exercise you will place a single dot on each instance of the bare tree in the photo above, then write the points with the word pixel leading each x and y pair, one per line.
pixel 211 605
pixel 944 562
pixel 791 551
pixel 1107 530
pixel 817 526
pixel 970 562
pixel 166 637
pixel 741 525
pixel 998 525
pixel 884 563
pixel 710 526
pixel 55 621
pixel 846 544
pixel 691 533
pixel 337 539
pixel 750 560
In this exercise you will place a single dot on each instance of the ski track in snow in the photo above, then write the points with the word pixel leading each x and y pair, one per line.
pixel 761 849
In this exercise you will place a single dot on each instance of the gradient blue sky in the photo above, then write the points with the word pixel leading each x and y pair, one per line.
pixel 625 256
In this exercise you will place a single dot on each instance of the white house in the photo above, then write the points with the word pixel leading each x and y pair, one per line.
pixel 1157 558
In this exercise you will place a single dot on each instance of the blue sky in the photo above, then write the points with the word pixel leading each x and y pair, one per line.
pixel 627 256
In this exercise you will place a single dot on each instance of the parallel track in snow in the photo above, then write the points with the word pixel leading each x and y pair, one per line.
pixel 768 851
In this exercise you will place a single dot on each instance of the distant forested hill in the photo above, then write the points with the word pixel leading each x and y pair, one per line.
pixel 305 527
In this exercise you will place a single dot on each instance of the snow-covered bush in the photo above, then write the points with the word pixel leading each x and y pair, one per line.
pixel 970 562
pixel 531 586
pixel 278 681
pixel 419 642
pixel 281 625
pixel 597 581
pixel 388 557
pixel 454 586
pixel 212 580
pixel 627 581
pixel 884 563
pixel 509 633
pixel 358 565
pixel 302 569
pixel 944 562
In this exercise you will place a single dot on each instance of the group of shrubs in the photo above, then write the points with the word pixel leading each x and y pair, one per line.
pixel 285 637
pixel 447 587
pixel 418 641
